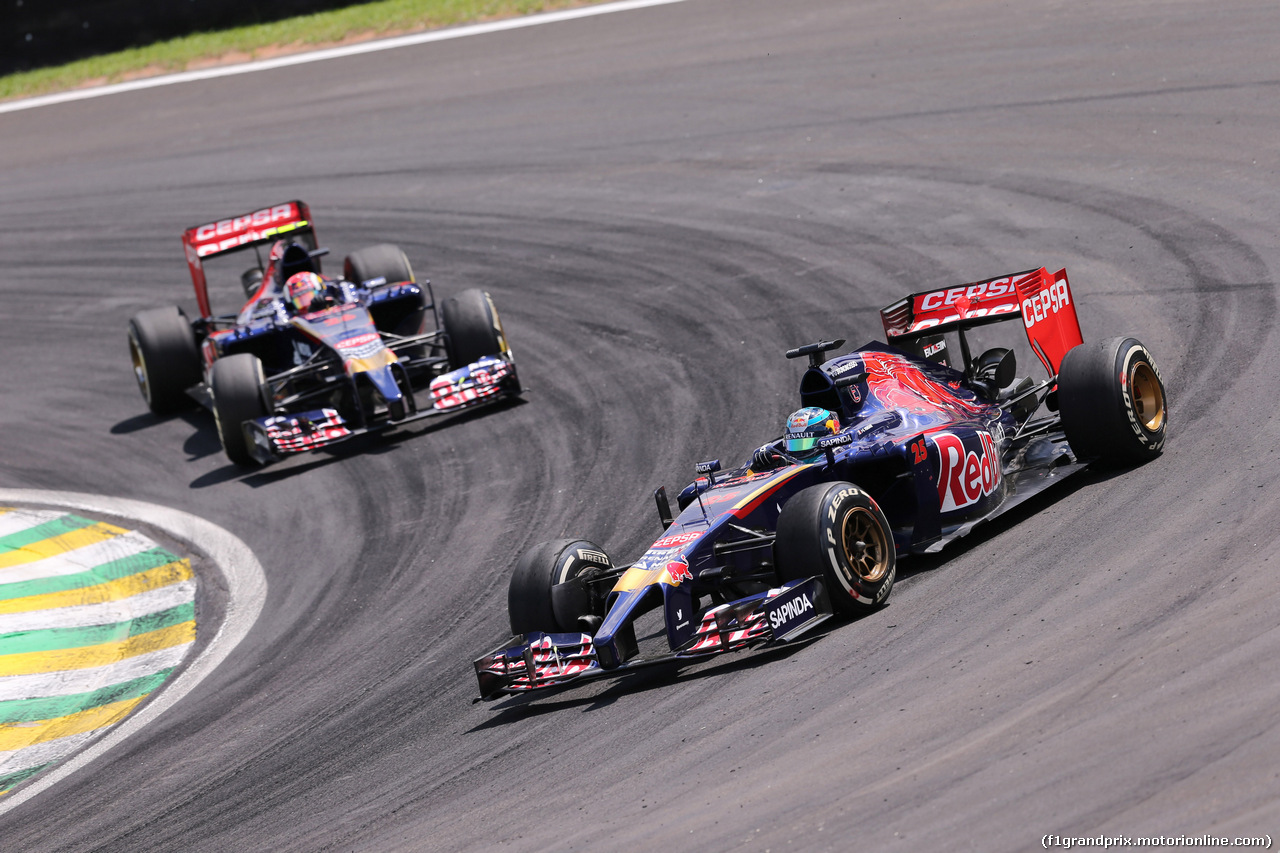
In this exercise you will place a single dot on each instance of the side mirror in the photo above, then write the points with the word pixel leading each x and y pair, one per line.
pixel 690 492
pixel 664 506
pixel 828 444
pixel 709 468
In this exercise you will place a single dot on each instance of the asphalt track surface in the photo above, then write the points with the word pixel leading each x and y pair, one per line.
pixel 661 202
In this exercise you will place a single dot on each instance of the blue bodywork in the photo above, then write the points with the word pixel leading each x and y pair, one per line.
pixel 937 449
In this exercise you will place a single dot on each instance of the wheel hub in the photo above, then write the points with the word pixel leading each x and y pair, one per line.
pixel 139 369
pixel 1148 398
pixel 865 546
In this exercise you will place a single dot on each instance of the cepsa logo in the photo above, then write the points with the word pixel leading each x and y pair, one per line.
pixel 675 540
pixel 965 477
pixel 988 293
pixel 1051 300
pixel 952 295
pixel 360 346
pixel 257 219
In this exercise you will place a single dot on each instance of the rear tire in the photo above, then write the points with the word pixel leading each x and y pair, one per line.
pixel 529 599
pixel 381 261
pixel 837 531
pixel 239 390
pixel 1112 401
pixel 166 361
pixel 251 281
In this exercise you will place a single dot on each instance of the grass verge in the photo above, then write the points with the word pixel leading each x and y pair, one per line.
pixel 262 41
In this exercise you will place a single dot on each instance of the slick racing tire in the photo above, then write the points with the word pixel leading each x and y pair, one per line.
pixel 473 330
pixel 381 261
pixel 165 359
pixel 837 531
pixel 251 281
pixel 239 394
pixel 1112 402
pixel 531 604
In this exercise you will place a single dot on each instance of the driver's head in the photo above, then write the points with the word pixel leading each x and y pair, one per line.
pixel 806 426
pixel 302 289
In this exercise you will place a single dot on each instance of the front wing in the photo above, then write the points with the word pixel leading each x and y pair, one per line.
pixel 271 438
pixel 543 660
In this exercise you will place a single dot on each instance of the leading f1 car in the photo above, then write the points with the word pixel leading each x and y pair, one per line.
pixel 897 448
pixel 313 359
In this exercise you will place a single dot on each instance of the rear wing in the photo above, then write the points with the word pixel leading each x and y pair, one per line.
pixel 1043 301
pixel 242 232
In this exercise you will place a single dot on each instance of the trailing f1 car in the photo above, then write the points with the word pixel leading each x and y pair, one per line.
pixel 312 359
pixel 894 451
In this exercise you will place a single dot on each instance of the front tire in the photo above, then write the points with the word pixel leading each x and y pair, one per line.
pixel 837 531
pixel 531 605
pixel 473 328
pixel 239 390
pixel 166 361
pixel 1112 402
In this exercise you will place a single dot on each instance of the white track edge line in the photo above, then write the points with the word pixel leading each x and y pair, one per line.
pixel 246 593
pixel 332 53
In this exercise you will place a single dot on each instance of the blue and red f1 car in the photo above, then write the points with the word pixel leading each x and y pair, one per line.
pixel 311 359
pixel 899 448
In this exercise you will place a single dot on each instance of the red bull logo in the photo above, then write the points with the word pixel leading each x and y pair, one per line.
pixel 899 384
pixel 965 477
pixel 678 571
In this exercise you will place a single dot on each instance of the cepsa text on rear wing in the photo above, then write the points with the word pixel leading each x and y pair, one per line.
pixel 241 232
pixel 1042 300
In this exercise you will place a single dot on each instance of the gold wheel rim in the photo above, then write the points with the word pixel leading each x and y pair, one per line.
pixel 1148 397
pixel 866 548
pixel 139 368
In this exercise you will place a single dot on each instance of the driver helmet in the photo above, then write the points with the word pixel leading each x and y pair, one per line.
pixel 302 289
pixel 806 426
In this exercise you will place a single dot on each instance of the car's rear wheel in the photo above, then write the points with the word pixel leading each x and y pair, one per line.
pixel 532 603
pixel 251 281
pixel 1112 401
pixel 386 261
pixel 166 361
pixel 381 261
pixel 837 531
pixel 240 394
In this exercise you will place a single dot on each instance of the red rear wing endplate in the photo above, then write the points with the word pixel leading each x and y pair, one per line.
pixel 1044 302
pixel 239 232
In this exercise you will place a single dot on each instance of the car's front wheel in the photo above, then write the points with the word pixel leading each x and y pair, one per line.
pixel 533 603
pixel 472 328
pixel 837 531
pixel 240 394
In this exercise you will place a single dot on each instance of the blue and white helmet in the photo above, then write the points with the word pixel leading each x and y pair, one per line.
pixel 806 426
